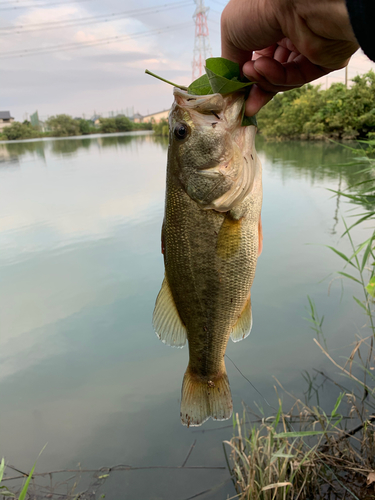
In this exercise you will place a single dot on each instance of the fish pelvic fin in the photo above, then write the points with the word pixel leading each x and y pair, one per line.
pixel 203 398
pixel 166 319
pixel 242 328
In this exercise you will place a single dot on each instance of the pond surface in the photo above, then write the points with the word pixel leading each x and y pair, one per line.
pixel 80 267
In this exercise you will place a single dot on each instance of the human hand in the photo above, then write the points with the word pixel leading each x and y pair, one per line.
pixel 282 44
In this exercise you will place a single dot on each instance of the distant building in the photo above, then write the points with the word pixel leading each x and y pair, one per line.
pixel 5 119
pixel 38 124
pixel 137 118
pixel 95 120
pixel 156 117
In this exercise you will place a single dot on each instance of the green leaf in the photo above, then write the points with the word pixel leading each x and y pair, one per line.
pixel 338 402
pixel 366 254
pixel 222 85
pixel 200 86
pixel 6 492
pixel 276 422
pixel 371 287
pixel 225 76
pixel 222 77
pixel 2 468
pixel 367 216
pixel 340 254
pixel 26 485
pixel 249 120
pixel 360 304
pixel 281 455
pixel 361 246
pixel 299 434
pixel 349 276
pixel 224 67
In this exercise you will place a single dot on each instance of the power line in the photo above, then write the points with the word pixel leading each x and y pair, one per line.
pixel 75 46
pixel 219 3
pixel 28 6
pixel 11 30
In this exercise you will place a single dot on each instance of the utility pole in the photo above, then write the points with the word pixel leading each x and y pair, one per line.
pixel 202 48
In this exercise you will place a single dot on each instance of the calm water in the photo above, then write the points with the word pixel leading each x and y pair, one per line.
pixel 80 266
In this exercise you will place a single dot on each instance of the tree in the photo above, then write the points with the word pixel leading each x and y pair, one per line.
pixel 19 131
pixel 123 124
pixel 84 126
pixel 63 125
pixel 107 125
pixel 308 112
pixel 161 128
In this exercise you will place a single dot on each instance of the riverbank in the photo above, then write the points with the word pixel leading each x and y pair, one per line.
pixel 66 126
pixel 87 137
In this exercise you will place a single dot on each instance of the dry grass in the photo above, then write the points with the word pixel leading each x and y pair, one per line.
pixel 308 454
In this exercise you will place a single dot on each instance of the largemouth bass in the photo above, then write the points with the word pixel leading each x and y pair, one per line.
pixel 211 239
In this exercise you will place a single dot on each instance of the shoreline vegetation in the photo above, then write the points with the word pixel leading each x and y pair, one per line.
pixel 67 126
pixel 309 452
pixel 310 113
pixel 306 113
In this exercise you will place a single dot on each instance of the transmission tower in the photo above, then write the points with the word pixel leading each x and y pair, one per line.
pixel 202 48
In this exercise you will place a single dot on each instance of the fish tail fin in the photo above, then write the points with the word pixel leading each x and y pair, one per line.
pixel 203 398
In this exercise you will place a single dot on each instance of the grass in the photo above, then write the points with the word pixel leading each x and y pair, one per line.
pixel 5 492
pixel 305 453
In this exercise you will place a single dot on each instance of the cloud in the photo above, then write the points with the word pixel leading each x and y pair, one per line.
pixel 103 77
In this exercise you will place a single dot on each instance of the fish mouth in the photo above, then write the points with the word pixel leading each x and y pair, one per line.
pixel 206 104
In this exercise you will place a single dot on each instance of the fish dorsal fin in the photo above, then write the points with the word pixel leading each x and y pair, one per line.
pixel 166 320
pixel 244 323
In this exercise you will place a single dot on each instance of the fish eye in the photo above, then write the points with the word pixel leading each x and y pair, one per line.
pixel 181 131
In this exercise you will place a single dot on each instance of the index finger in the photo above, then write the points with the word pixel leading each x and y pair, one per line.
pixel 229 51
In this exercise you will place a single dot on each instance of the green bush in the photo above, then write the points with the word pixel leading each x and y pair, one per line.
pixel 107 125
pixel 123 124
pixel 309 112
pixel 84 126
pixel 161 128
pixel 63 126
pixel 19 131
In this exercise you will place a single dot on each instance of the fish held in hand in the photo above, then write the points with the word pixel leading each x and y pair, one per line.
pixel 211 239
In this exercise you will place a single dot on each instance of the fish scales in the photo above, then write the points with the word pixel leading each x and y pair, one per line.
pixel 210 250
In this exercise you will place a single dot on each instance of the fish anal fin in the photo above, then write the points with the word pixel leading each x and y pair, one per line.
pixel 260 236
pixel 166 319
pixel 244 323
pixel 203 398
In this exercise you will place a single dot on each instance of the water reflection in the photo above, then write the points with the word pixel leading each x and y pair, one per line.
pixel 66 146
pixel 316 161
pixel 16 149
pixel 80 267
pixel 162 140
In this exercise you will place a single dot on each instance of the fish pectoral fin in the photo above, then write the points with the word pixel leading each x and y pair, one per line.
pixel 166 319
pixel 242 328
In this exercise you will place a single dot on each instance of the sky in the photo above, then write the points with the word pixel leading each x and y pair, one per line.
pixel 88 56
